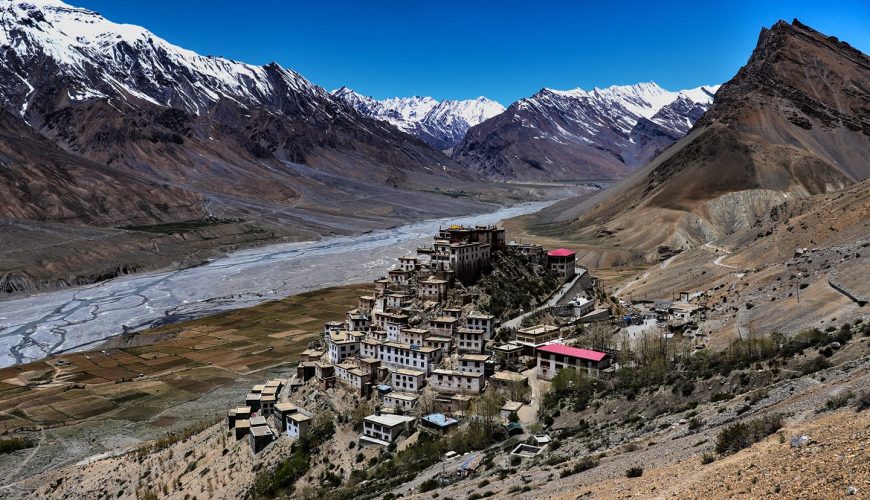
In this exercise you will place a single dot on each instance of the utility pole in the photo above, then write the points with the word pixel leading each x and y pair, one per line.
pixel 798 289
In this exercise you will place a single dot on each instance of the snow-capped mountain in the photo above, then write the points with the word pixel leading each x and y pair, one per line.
pixel 600 133
pixel 122 97
pixel 100 59
pixel 441 124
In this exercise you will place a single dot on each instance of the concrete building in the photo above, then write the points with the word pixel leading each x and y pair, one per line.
pixel 312 355
pixel 406 380
pixel 267 402
pixel 414 336
pixel 439 423
pixel 352 376
pixel 467 260
pixel 399 277
pixel 380 319
pixel 325 373
pixel 341 345
pixel 512 382
pixel 456 382
pixel 385 429
pixel 358 321
pixel 333 326
pixel 554 357
pixel 562 262
pixel 282 412
pixel 253 400
pixel 508 408
pixel 473 363
pixel 395 301
pixel 298 424
pixel 395 355
pixel 444 344
pixel 432 289
pixel 409 263
pixel 242 428
pixel 483 322
pixel 443 326
pixel 508 353
pixel 381 286
pixel 366 303
pixel 470 341
pixel 534 336
pixel 402 402
pixel 260 437
pixel 238 413
pixel 488 235
pixel 535 253
pixel 452 312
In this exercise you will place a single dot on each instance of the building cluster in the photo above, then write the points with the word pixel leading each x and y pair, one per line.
pixel 446 354
pixel 451 355
pixel 264 417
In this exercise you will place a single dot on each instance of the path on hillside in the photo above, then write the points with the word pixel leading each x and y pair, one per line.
pixel 551 302
pixel 718 260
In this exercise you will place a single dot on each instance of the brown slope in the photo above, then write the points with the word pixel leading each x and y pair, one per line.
pixel 43 182
pixel 793 122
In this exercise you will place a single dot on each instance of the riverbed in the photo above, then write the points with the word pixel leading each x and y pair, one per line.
pixel 34 327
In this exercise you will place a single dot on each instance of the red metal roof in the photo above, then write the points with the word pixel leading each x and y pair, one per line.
pixel 574 352
pixel 560 252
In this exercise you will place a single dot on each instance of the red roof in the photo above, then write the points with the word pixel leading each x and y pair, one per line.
pixel 574 352
pixel 560 252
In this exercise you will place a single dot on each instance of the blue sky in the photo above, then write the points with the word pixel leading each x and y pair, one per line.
pixel 505 50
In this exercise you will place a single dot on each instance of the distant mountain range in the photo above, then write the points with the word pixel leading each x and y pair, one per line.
pixel 441 124
pixel 578 134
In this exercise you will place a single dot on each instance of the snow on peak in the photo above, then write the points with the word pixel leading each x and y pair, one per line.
pixel 131 60
pixel 625 105
pixel 442 124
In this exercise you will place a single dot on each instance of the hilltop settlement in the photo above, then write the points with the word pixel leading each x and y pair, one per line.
pixel 420 350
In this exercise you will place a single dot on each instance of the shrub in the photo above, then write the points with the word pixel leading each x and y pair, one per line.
pixel 744 434
pixel 483 484
pixel 839 401
pixel 707 458
pixel 695 424
pixel 720 396
pixel 582 465
pixel 634 472
pixel 428 485
pixel 515 460
pixel 862 402
pixel 816 364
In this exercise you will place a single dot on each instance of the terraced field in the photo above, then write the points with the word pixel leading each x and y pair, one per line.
pixel 146 384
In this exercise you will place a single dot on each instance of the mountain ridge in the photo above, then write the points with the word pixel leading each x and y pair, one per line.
pixel 599 134
pixel 441 124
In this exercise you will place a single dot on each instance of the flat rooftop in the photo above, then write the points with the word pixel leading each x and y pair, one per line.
pixel 389 420
pixel 413 373
pixel 474 357
pixel 261 431
pixel 286 407
pixel 507 376
pixel 538 330
pixel 403 396
pixel 512 406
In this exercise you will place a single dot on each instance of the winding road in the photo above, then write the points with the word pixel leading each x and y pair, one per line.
pixel 37 326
